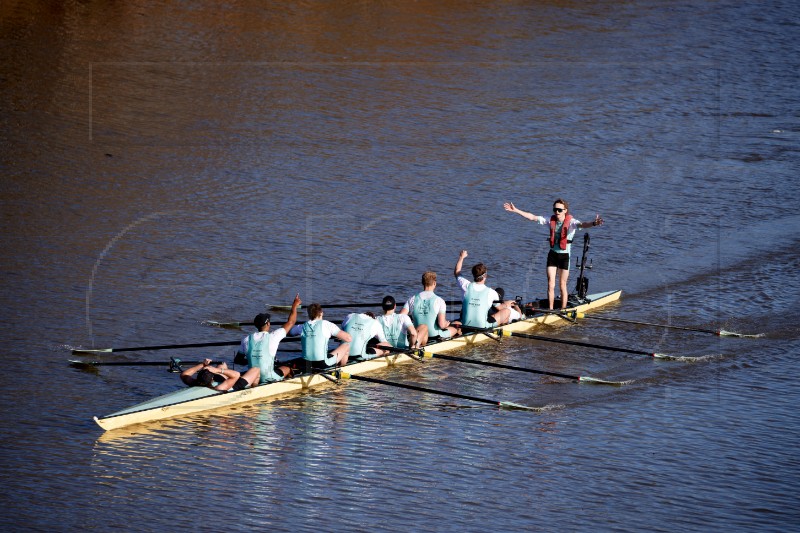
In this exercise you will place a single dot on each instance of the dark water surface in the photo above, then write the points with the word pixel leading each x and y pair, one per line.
pixel 163 164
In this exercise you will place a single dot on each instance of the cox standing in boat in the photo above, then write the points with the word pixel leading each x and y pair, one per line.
pixel 562 230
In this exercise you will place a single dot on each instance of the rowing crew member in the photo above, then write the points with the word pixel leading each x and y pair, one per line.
pixel 515 313
pixel 398 328
pixel 366 334
pixel 218 377
pixel 427 311
pixel 261 347
pixel 477 309
pixel 314 337
pixel 562 230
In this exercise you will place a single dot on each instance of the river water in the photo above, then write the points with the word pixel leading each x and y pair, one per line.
pixel 167 163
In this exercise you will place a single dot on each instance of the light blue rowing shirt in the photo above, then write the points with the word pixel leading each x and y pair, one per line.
pixel 424 313
pixel 314 343
pixel 360 329
pixel 259 355
pixel 393 330
pixel 476 305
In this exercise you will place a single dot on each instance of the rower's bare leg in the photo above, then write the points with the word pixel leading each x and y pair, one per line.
pixel 564 276
pixel 252 375
pixel 454 328
pixel 551 286
pixel 422 334
pixel 342 352
pixel 503 316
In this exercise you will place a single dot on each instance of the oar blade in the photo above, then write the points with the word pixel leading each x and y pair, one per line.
pixel 285 308
pixel 81 364
pixel 723 333
pixel 225 325
pixel 79 351
pixel 596 381
pixel 518 407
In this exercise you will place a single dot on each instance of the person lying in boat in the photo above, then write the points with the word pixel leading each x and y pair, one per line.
pixel 314 337
pixel 366 333
pixel 398 328
pixel 427 311
pixel 478 299
pixel 218 377
pixel 562 230
pixel 515 313
pixel 261 347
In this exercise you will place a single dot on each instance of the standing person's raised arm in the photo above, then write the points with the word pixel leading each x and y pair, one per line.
pixel 598 221
pixel 510 207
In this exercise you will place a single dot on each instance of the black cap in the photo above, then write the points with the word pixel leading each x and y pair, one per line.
pixel 261 320
pixel 388 303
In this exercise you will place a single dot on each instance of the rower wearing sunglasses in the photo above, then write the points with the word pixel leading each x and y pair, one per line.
pixel 562 229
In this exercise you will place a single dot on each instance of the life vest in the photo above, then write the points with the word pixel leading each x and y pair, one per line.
pixel 259 355
pixel 562 241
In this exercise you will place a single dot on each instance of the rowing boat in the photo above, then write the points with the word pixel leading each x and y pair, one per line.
pixel 192 400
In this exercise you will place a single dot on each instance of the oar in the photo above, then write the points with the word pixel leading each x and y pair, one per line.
pixel 717 332
pixel 352 305
pixel 237 325
pixel 509 405
pixel 77 351
pixel 586 379
pixel 173 364
pixel 586 344
pixel 73 362
pixel 231 325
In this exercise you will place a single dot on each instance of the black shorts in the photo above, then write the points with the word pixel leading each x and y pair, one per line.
pixel 560 261
pixel 240 384
pixel 371 345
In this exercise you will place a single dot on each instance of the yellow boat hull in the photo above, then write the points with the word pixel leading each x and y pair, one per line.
pixel 195 399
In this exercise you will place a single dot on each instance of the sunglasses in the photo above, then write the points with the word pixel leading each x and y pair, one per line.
pixel 558 210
